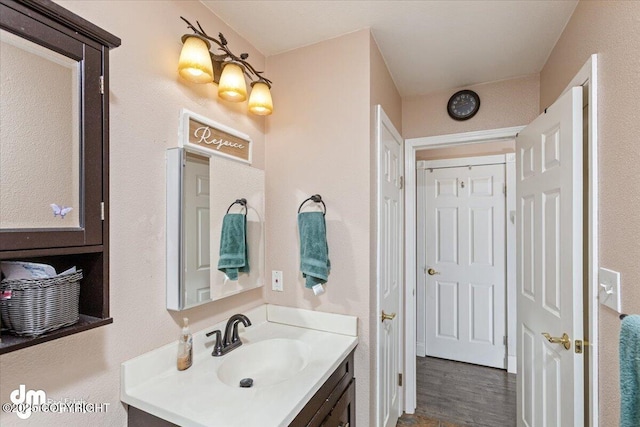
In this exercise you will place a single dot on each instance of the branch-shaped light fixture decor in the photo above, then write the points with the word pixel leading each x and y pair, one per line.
pixel 198 64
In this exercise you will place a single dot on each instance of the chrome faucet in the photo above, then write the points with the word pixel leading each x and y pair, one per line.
pixel 231 340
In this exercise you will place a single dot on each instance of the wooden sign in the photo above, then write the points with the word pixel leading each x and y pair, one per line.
pixel 208 137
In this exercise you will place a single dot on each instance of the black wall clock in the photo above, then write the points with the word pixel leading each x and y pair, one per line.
pixel 463 105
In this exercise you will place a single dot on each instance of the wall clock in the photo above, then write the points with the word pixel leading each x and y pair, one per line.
pixel 463 105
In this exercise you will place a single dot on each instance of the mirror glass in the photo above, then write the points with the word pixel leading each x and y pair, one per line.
pixel 200 192
pixel 39 136
pixel 196 226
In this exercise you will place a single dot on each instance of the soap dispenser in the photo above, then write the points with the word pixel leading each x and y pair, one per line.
pixel 185 347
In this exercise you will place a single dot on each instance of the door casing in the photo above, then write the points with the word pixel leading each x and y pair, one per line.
pixel 510 244
pixel 586 77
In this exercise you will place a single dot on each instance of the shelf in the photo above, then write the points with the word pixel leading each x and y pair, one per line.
pixel 30 253
pixel 12 342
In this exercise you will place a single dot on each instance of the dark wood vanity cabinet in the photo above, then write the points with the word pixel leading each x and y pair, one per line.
pixel 86 246
pixel 334 405
pixel 343 414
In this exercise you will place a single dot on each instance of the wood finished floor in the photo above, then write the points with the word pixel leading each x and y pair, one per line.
pixel 453 394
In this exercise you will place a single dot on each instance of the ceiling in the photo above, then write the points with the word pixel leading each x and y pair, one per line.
pixel 427 45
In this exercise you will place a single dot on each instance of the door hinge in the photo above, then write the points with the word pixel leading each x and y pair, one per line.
pixel 504 340
pixel 504 189
pixel 400 380
pixel 102 211
pixel 401 182
pixel 102 85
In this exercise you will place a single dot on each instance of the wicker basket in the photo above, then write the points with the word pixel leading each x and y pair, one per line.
pixel 37 306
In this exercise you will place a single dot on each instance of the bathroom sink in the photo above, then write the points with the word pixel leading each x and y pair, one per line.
pixel 266 362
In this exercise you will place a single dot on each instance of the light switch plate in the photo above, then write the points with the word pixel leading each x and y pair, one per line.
pixel 609 289
pixel 276 281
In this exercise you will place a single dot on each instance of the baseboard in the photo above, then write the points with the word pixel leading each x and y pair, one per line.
pixel 421 349
pixel 512 364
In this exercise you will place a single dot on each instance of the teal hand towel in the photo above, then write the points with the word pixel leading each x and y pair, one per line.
pixel 630 371
pixel 234 257
pixel 314 251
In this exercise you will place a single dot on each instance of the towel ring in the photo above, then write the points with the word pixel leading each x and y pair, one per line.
pixel 317 199
pixel 241 202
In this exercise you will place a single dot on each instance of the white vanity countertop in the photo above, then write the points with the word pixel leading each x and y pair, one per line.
pixel 197 397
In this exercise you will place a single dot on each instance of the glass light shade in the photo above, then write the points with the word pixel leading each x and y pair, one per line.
pixel 260 101
pixel 195 61
pixel 232 86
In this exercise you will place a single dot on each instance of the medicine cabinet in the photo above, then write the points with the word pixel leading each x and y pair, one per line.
pixel 54 150
pixel 201 189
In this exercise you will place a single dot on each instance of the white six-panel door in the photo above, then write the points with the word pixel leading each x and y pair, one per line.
pixel 550 382
pixel 465 268
pixel 390 262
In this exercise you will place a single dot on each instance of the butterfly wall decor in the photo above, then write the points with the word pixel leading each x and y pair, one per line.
pixel 60 210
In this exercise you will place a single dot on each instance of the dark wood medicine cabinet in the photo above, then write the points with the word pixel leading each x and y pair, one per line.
pixel 85 245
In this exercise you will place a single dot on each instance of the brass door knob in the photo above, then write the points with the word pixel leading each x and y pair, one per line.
pixel 431 272
pixel 386 316
pixel 564 340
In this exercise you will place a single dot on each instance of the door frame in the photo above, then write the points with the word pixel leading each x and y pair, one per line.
pixel 586 77
pixel 412 145
pixel 508 161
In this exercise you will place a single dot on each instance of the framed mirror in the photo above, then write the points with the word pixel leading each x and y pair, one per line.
pixel 201 190
pixel 51 138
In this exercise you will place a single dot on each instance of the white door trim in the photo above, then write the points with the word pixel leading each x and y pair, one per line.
pixel 411 146
pixel 510 246
pixel 462 161
pixel 587 76
pixel 493 353
pixel 510 212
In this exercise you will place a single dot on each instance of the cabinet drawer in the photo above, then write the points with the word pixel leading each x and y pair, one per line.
pixel 343 414
pixel 321 404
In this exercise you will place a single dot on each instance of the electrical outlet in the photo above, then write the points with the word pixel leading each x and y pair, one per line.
pixel 276 281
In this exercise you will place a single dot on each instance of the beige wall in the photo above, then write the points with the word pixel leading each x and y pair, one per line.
pixel 611 29
pixel 318 142
pixel 503 104
pixel 146 97
pixel 383 89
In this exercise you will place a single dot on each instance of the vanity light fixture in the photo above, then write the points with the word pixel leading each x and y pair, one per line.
pixel 198 64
